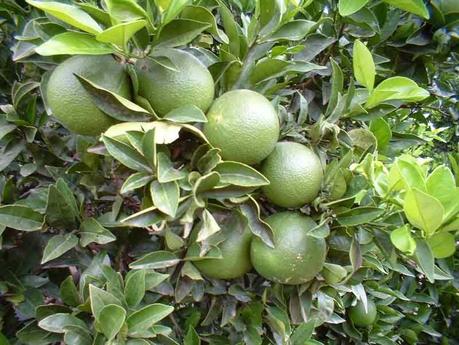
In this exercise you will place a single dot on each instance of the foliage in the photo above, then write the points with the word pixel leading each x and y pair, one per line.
pixel 98 235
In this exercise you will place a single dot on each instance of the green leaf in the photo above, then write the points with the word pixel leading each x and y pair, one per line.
pixel 58 245
pixel 191 337
pixel 382 132
pixel 204 184
pixel 261 229
pixel 134 289
pixel 77 336
pixel 443 244
pixel 69 14
pixel 240 174
pixel 166 171
pixel 57 323
pixel 100 15
pixel 348 7
pixel 337 82
pixel 173 10
pixel 423 211
pixel 120 34
pixel 135 181
pixel 155 260
pixel 73 43
pixel 165 196
pixel 203 15
pixel 303 333
pixel 271 12
pixel 114 105
pixel 179 32
pixel 396 88
pixel 111 320
pixel 294 30
pixel 414 6
pixel 20 218
pixel 59 212
pixel 333 274
pixel 402 240
pixel 186 114
pixel 144 218
pixel 442 185
pixel 364 66
pixel 125 10
pixel 99 299
pixel 209 226
pixel 425 259
pixel 69 292
pixel 126 155
pixel 153 279
pixel 92 231
pixel 146 317
pixel 359 215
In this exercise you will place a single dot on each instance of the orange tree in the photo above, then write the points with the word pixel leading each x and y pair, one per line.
pixel 229 172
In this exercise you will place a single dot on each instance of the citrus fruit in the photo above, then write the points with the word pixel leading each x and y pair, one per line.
pixel 235 250
pixel 297 256
pixel 72 105
pixel 295 174
pixel 360 317
pixel 167 88
pixel 244 125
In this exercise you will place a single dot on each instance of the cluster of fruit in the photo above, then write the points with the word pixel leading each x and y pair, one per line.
pixel 243 124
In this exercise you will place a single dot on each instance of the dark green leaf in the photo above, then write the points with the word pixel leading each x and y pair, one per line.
pixel 58 245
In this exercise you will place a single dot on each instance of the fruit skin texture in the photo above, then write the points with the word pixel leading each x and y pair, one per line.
pixel 165 89
pixel 235 249
pixel 244 125
pixel 72 105
pixel 358 315
pixel 297 257
pixel 295 173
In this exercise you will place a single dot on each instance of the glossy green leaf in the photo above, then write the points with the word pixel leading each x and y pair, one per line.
pixel 73 43
pixel 114 105
pixel 294 30
pixel 425 259
pixel 333 274
pixel 135 181
pixel 443 244
pixel 204 15
pixel 173 9
pixel 111 320
pixel 180 32
pixel 423 211
pixel 186 114
pixel 382 132
pixel 166 171
pixel 442 185
pixel 69 14
pixel 146 317
pixel 57 323
pixel 165 196
pixel 271 12
pixel 209 226
pixel 58 245
pixel 359 215
pixel 414 6
pixel 125 10
pixel 396 88
pixel 348 7
pixel 69 292
pixel 402 239
pixel 145 218
pixel 99 299
pixel 240 174
pixel 191 337
pixel 364 66
pixel 20 218
pixel 121 33
pixel 92 231
pixel 251 211
pixel 126 155
pixel 155 260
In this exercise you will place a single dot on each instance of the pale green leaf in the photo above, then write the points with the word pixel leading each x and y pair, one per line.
pixel 443 244
pixel 364 66
pixel 348 7
pixel 403 240
pixel 73 43
pixel 146 317
pixel 20 218
pixel 134 289
pixel 155 260
pixel 121 33
pixel 423 211
pixel 111 320
pixel 414 6
pixel 58 245
pixel 165 196
pixel 240 174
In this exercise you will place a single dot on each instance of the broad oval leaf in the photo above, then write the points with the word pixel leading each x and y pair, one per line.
pixel 57 323
pixel 364 66
pixel 92 231
pixel 58 245
pixel 240 174
pixel 414 6
pixel 186 114
pixel 179 32
pixel 165 196
pixel 402 239
pixel 99 299
pixel 146 317
pixel 423 211
pixel 134 289
pixel 348 7
pixel 121 33
pixel 111 320
pixel 126 155
pixel 155 260
pixel 73 43
pixel 135 181
pixel 294 30
pixel 69 14
pixel 20 218
pixel 443 244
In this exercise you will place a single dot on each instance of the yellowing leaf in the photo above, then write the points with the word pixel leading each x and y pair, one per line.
pixel 423 211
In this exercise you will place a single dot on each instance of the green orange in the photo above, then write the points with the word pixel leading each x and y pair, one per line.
pixel 297 256
pixel 235 251
pixel 72 105
pixel 181 81
pixel 295 174
pixel 244 125
pixel 362 317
